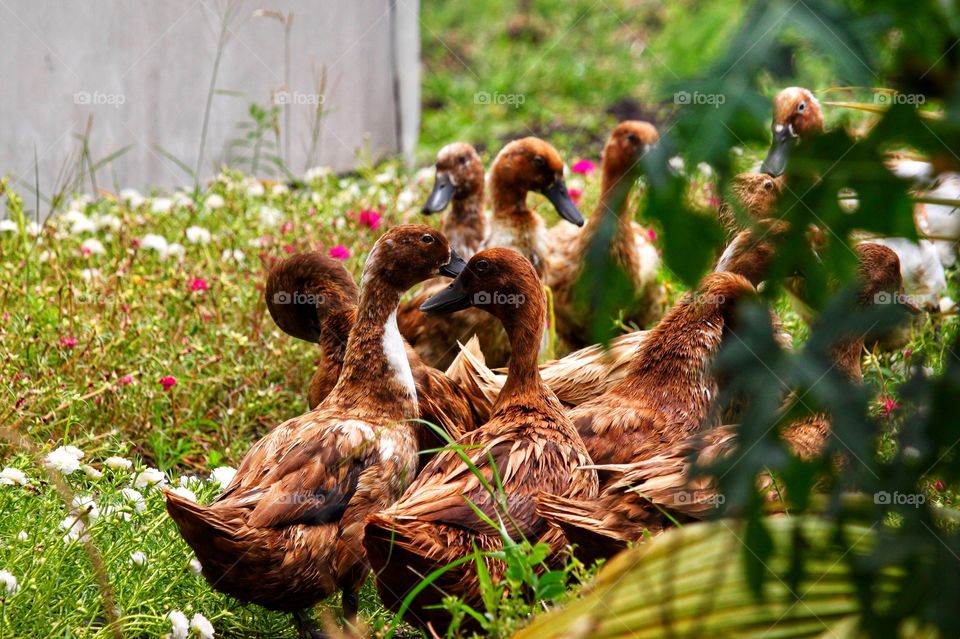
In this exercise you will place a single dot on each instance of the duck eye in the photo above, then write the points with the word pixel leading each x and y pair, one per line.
pixel 768 185
pixel 427 238
pixel 633 138
pixel 463 159
pixel 802 107
pixel 539 161
pixel 481 265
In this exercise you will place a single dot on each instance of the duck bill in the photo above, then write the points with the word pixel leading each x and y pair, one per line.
pixel 454 267
pixel 449 300
pixel 560 198
pixel 775 163
pixel 440 196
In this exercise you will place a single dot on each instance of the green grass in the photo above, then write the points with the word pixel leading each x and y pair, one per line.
pixel 579 67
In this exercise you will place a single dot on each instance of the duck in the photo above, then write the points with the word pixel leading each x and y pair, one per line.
pixel 459 179
pixel 524 165
pixel 756 194
pixel 656 491
pixel 529 444
pixel 313 297
pixel 796 115
pixel 287 531
pixel 630 247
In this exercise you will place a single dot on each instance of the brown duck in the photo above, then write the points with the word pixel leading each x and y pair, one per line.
pixel 312 297
pixel 459 179
pixel 287 532
pixel 639 495
pixel 630 249
pixel 525 165
pixel 529 441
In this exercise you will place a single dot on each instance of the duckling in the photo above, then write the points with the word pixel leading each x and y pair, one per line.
pixel 524 165
pixel 528 443
pixel 287 531
pixel 314 298
pixel 460 180
pixel 666 393
pixel 652 492
pixel 630 249
pixel 796 114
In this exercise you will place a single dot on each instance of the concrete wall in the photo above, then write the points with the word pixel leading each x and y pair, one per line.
pixel 142 71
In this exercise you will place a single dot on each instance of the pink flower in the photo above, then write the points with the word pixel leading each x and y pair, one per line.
pixel 168 382
pixel 311 211
pixel 68 342
pixel 84 251
pixel 584 167
pixel 126 380
pixel 939 486
pixel 907 354
pixel 575 195
pixel 198 284
pixel 289 248
pixel 287 227
pixel 370 219
pixel 652 235
pixel 339 252
pixel 134 242
pixel 889 406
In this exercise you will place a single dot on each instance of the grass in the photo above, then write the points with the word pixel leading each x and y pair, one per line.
pixel 86 336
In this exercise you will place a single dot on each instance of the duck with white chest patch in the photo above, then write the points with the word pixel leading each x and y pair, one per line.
pixel 288 530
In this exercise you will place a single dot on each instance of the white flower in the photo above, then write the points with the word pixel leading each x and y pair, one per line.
pixel 186 493
pixel 10 476
pixel 89 274
pixel 195 566
pixel 93 245
pixel 676 163
pixel 202 626
pixel 22 535
pixel 82 225
pixel 161 205
pixel 118 463
pixel 214 201
pixel 92 472
pixel 84 507
pixel 406 199
pixel 155 242
pixel 424 175
pixel 223 475
pixel 149 477
pixel 34 229
pixel 183 200
pixel 75 528
pixel 279 189
pixel 235 255
pixel 107 221
pixel 737 150
pixel 135 498
pixel 315 173
pixel 176 250
pixel 947 305
pixel 705 169
pixel 269 216
pixel 138 558
pixel 132 197
pixel 254 188
pixel 385 176
pixel 7 226
pixel 10 586
pixel 181 627
pixel 65 459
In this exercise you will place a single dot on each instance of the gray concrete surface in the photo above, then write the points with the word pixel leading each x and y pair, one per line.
pixel 142 71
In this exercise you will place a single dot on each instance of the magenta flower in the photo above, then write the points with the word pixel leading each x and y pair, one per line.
pixel 126 380
pixel 575 195
pixel 68 342
pixel 287 227
pixel 583 167
pixel 339 252
pixel 939 486
pixel 889 406
pixel 907 354
pixel 168 382
pixel 289 248
pixel 370 219
pixel 652 235
pixel 198 284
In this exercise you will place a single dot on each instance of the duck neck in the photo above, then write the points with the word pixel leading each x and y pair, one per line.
pixel 464 223
pixel 846 354
pixel 525 330
pixel 608 205
pixel 507 199
pixel 376 370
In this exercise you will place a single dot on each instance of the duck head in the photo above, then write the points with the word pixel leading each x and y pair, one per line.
pixel 408 254
pixel 624 148
pixel 499 281
pixel 459 175
pixel 878 270
pixel 304 290
pixel 758 192
pixel 530 164
pixel 796 114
